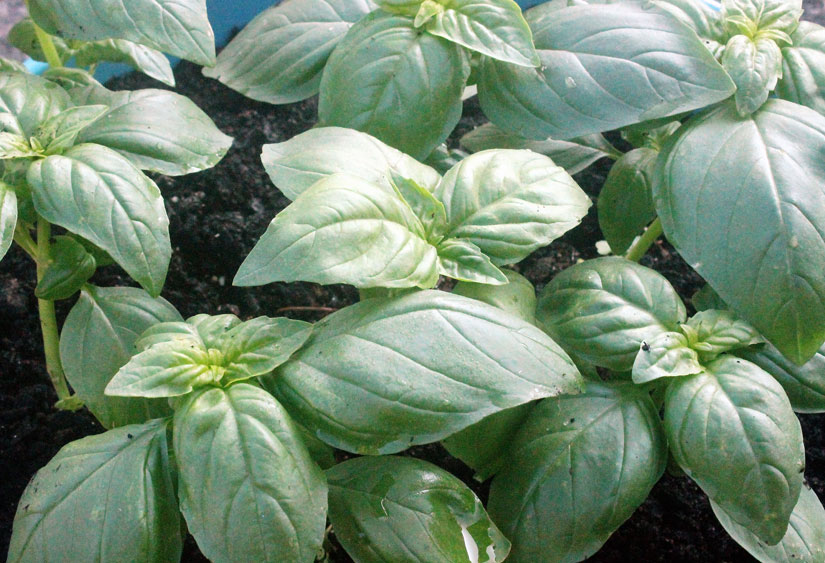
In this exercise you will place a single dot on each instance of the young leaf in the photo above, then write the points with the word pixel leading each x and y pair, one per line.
pixel 404 509
pixel 574 155
pixel 625 204
pixel 398 71
pixel 13 145
pixel 8 217
pixel 177 27
pixel 804 540
pixel 447 362
pixel 462 260
pixel 93 191
pixel 109 497
pixel 296 39
pixel 667 354
pixel 803 67
pixel 71 267
pixel 23 36
pixel 212 328
pixel 733 431
pixel 764 15
pixel 517 296
pixel 424 205
pixel 754 66
pixel 141 58
pixel 603 309
pixel 712 332
pixel 604 66
pixel 579 466
pixel 98 338
pixel 494 28
pixel 296 164
pixel 509 203
pixel 59 132
pixel 26 101
pixel 770 221
pixel 248 488
pixel 343 230
pixel 803 384
pixel 8 65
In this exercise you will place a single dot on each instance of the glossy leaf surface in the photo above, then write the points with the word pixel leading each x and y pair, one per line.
pixel 804 385
pixel 140 57
pixel 8 217
pixel 713 331
pixel 754 66
pixel 517 296
pixel 26 101
pixel 666 355
pixel 60 131
pixel 803 67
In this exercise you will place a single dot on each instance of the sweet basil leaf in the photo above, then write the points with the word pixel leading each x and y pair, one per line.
pixel 13 145
pixel 603 309
pixel 574 155
pixel 23 36
pixel 168 369
pixel 95 192
pixel 803 384
pixel 668 354
pixel 212 328
pixel 804 540
pixel 297 38
pixel 26 101
pixel 713 331
pixel 392 508
pixel 707 298
pixel 98 338
pixel 447 363
pixel 625 204
pixel 157 130
pixel 733 431
pixel 517 296
pixel 8 65
pixel 71 266
pixel 578 467
pixel 8 217
pixel 114 493
pixel 177 27
pixel 59 132
pixel 443 158
pixel 150 62
pixel 509 203
pixel 424 205
pixel 399 70
pixel 754 66
pixel 172 331
pixel 296 164
pixel 494 28
pixel 343 230
pixel 803 67
pixel 248 488
pixel 770 221
pixel 462 260
pixel 705 19
pixel 602 67
pixel 782 15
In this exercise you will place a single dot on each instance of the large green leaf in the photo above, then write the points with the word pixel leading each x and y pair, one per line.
pixel 147 60
pixel 754 66
pixel 343 230
pixel 388 79
pixel 733 431
pixel 8 217
pixel 280 55
pixel 296 164
pixel 517 296
pixel 578 467
pixel 392 508
pixel 510 202
pixel 420 367
pixel 26 101
pixel 109 497
pixel 803 67
pixel 603 66
pixel 742 201
pixel 98 338
pixel 96 193
pixel 177 27
pixel 804 540
pixel 248 488
pixel 706 19
pixel 603 309
pixel 804 385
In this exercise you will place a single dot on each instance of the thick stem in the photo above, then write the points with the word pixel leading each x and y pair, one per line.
pixel 641 246
pixel 46 43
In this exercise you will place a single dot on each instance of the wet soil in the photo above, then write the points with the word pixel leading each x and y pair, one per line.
pixel 215 219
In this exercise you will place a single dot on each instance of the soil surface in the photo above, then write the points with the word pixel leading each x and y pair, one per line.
pixel 215 218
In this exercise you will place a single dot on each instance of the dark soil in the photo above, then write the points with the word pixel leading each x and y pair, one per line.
pixel 216 217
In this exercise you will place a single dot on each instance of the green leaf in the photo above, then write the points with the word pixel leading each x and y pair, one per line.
pixel 8 65
pixel 424 205
pixel 98 338
pixel 494 28
pixel 625 204
pixel 804 540
pixel 279 56
pixel 70 267
pixel 702 17
pixel 296 164
pixel 59 132
pixel 177 27
pixel 651 134
pixel 754 66
pixel 404 509
pixel 781 15
pixel 141 58
pixel 26 101
pixel 803 384
pixel 733 431
pixel 158 130
pixel 13 145
pixel 760 242
pixel 603 67
pixel 668 354
pixel 8 217
pixel 109 497
pixel 578 467
pixel 713 331
pixel 574 155
pixel 446 362
pixel 707 298
pixel 93 191
pixel 343 230
pixel 23 36
pixel 517 296
pixel 443 158
pixel 462 260
pixel 603 309
pixel 409 84
pixel 248 488
pixel 509 203
pixel 803 67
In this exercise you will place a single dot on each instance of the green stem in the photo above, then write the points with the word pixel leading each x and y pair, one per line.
pixel 46 43
pixel 641 246
pixel 25 241
pixel 48 319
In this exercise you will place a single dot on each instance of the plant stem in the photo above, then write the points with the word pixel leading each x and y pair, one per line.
pixel 46 43
pixel 48 319
pixel 641 246
pixel 25 241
